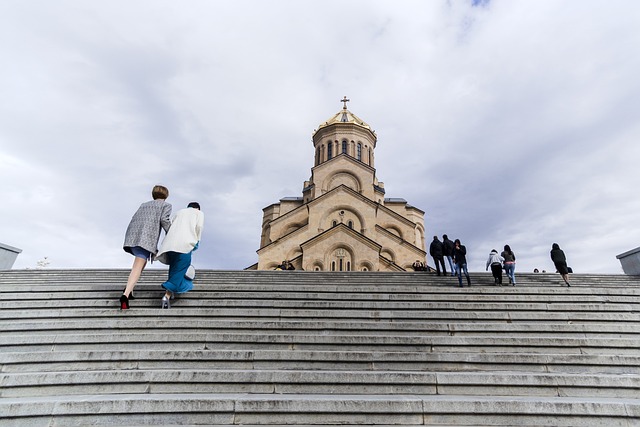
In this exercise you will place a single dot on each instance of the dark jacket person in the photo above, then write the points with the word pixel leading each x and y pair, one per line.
pixel 436 250
pixel 560 261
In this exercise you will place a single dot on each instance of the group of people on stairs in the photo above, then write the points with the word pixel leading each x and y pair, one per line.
pixel 456 255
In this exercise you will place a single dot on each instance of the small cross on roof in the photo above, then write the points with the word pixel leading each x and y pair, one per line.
pixel 345 100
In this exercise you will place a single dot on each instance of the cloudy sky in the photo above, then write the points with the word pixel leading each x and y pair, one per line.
pixel 506 121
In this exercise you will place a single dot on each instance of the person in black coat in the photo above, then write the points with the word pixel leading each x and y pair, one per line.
pixel 448 252
pixel 560 261
pixel 460 258
pixel 436 250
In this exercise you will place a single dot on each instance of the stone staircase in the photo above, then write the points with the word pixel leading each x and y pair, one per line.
pixel 310 348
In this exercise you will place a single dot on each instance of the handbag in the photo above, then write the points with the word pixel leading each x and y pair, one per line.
pixel 190 273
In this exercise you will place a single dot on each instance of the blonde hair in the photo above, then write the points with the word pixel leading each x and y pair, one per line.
pixel 160 192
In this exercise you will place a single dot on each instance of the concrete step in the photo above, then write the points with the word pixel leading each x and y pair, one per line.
pixel 305 341
pixel 318 279
pixel 208 294
pixel 26 384
pixel 270 409
pixel 270 314
pixel 86 360
pixel 611 329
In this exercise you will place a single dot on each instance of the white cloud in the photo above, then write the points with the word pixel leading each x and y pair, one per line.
pixel 507 122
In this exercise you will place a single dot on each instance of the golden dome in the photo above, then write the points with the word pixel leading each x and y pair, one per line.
pixel 344 116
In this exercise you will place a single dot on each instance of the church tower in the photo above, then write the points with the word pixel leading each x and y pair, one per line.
pixel 342 222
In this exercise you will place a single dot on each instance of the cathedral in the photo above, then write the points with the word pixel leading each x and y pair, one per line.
pixel 342 221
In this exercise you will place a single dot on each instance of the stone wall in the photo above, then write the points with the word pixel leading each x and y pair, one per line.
pixel 8 255
pixel 630 261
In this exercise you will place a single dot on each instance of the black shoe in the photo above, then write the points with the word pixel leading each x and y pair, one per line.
pixel 131 297
pixel 124 302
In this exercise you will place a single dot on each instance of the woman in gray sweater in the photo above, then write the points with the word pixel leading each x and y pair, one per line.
pixel 143 233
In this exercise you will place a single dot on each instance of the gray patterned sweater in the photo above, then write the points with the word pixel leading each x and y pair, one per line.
pixel 144 228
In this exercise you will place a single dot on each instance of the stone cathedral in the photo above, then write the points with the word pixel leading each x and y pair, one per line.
pixel 342 221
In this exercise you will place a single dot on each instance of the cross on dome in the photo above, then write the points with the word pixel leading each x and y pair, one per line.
pixel 345 100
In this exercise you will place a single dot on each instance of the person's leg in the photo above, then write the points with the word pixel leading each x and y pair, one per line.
pixel 170 284
pixel 507 270
pixel 444 268
pixel 513 274
pixel 459 273
pixel 435 260
pixel 134 275
pixel 453 273
pixel 466 273
pixel 495 272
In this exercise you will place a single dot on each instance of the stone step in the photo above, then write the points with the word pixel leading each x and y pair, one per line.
pixel 613 329
pixel 83 360
pixel 316 409
pixel 305 341
pixel 209 294
pixel 333 305
pixel 319 279
pixel 203 313
pixel 318 382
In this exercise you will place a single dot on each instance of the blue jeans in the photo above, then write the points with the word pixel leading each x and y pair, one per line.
pixel 452 265
pixel 459 269
pixel 510 270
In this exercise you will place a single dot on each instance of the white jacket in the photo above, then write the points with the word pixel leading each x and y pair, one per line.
pixel 185 232
pixel 493 258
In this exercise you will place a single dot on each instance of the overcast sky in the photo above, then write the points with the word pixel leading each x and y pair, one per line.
pixel 507 121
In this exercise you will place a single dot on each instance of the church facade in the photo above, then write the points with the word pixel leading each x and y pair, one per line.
pixel 342 221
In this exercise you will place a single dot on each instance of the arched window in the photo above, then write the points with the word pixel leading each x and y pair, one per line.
pixel 329 151
pixel 348 265
pixel 335 223
pixel 350 224
pixel 344 147
pixel 359 151
pixel 318 156
pixel 333 266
